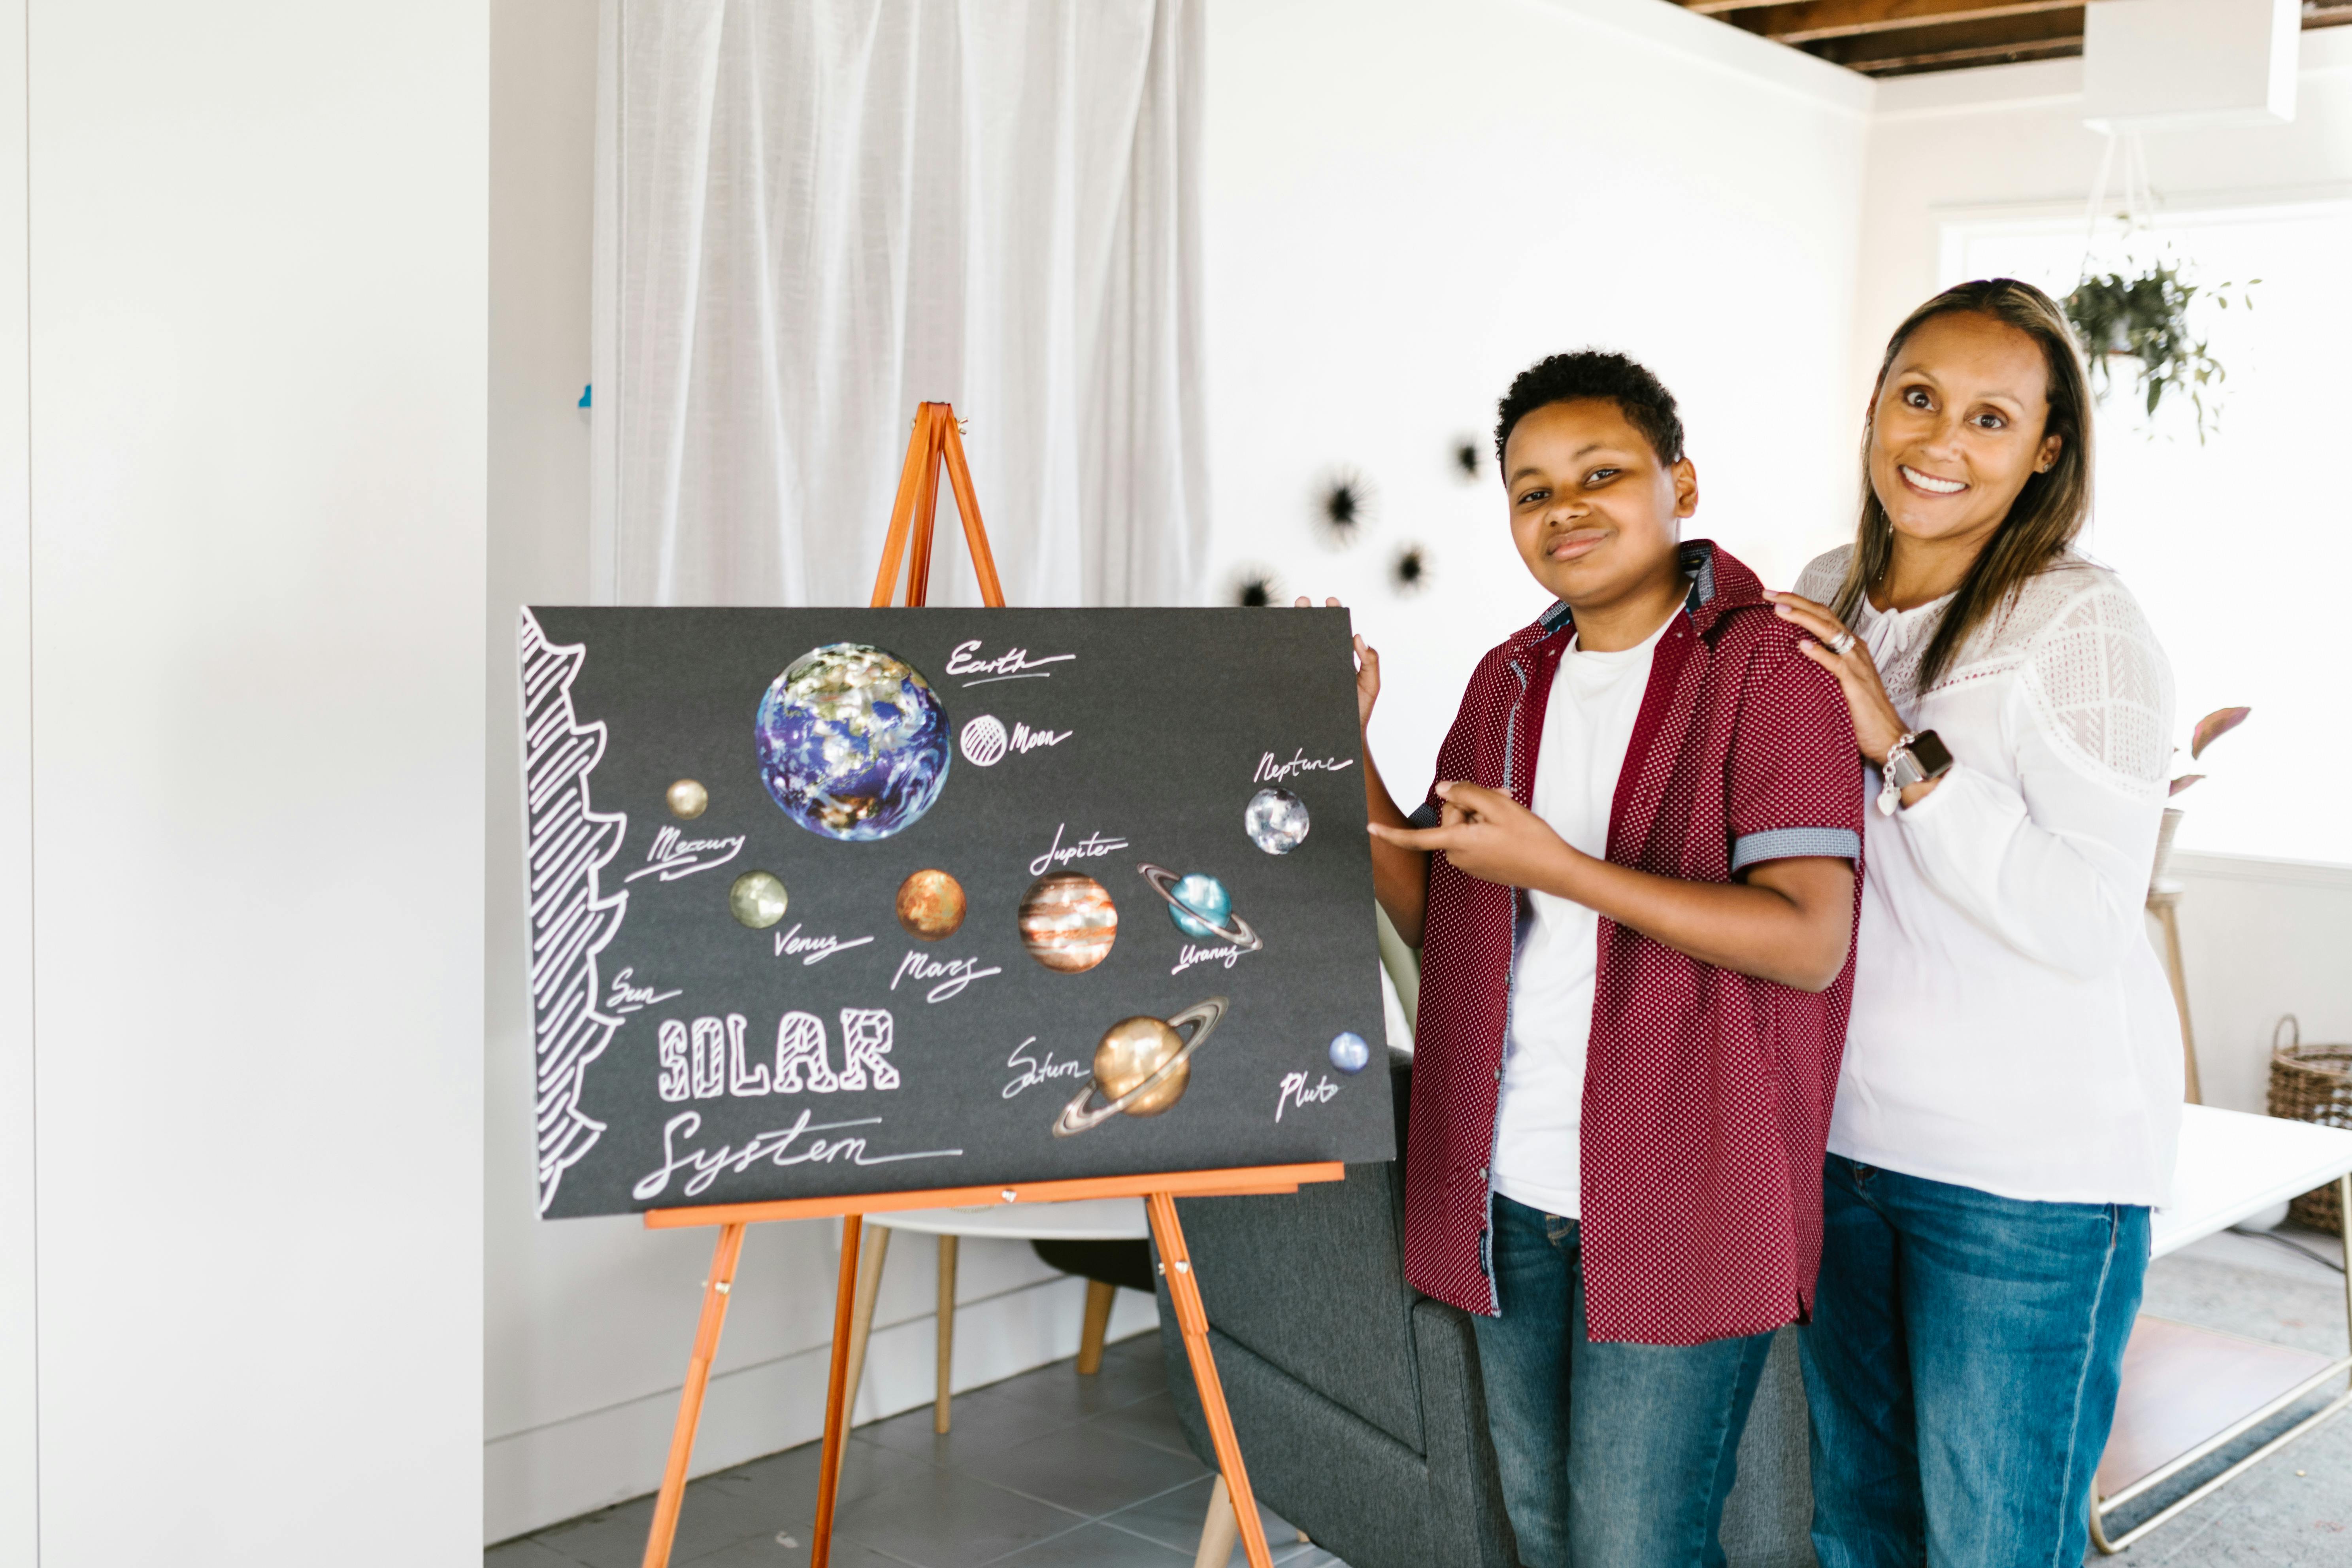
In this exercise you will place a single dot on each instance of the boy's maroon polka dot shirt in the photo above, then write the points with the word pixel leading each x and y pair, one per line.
pixel 1706 1093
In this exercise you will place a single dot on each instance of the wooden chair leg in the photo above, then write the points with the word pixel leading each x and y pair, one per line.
pixel 1219 1531
pixel 875 1248
pixel 947 1332
pixel 1099 1297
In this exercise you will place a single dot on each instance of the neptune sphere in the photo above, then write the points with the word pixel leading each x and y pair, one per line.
pixel 1351 1051
pixel 1204 896
pixel 853 742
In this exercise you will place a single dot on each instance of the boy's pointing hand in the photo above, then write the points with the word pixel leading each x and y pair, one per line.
pixel 1488 835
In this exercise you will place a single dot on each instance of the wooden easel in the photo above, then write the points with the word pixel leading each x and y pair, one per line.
pixel 936 441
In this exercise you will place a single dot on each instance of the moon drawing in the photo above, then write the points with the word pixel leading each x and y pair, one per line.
pixel 853 742
pixel 1068 923
pixel 931 905
pixel 758 898
pixel 1200 906
pixel 1142 1067
pixel 984 741
pixel 1275 821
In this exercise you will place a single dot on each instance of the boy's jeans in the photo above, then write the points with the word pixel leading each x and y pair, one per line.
pixel 1613 1456
pixel 1961 1365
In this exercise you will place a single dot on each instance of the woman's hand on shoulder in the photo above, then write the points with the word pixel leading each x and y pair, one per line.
pixel 1876 725
pixel 1367 665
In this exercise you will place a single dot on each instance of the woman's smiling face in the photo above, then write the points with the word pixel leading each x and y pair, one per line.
pixel 1959 428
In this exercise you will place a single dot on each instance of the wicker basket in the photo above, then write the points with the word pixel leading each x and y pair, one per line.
pixel 2311 1083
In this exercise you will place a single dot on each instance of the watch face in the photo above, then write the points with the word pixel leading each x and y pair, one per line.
pixel 1931 754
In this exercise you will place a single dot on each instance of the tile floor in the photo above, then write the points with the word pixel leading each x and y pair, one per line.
pixel 1048 1470
pixel 1053 1471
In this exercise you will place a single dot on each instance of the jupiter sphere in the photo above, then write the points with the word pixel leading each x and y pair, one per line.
pixel 1068 923
pixel 931 905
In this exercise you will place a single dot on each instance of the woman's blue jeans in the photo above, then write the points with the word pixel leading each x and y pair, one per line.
pixel 1613 1456
pixel 1961 1365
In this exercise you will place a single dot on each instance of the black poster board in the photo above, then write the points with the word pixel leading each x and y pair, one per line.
pixel 750 832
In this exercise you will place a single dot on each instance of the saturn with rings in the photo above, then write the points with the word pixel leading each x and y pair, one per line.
pixel 1200 906
pixel 1142 1067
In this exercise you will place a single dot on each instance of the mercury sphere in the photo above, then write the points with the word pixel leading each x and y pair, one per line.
pixel 1133 1049
pixel 687 799
pixel 1351 1051
pixel 758 898
pixel 931 905
pixel 853 742
pixel 1067 921
pixel 1199 904
pixel 1275 820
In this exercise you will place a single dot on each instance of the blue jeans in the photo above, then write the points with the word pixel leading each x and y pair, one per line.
pixel 1961 1365
pixel 1613 1456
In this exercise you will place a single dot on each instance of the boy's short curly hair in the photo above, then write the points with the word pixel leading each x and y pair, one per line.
pixel 1641 396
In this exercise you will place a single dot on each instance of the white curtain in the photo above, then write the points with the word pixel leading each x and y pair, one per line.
pixel 816 214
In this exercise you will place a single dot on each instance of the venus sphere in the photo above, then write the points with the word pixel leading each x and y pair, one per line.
pixel 1068 923
pixel 758 898
pixel 1349 1051
pixel 853 742
pixel 931 905
pixel 1275 820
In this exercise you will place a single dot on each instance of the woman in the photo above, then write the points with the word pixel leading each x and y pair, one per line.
pixel 2009 1097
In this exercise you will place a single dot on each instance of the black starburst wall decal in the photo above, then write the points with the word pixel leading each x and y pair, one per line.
pixel 1409 571
pixel 1467 458
pixel 1254 587
pixel 1343 505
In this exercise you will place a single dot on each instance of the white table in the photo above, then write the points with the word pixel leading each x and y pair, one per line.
pixel 1085 1219
pixel 2188 1391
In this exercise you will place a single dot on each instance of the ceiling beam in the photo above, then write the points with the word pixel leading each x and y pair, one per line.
pixel 1995 42
pixel 1806 21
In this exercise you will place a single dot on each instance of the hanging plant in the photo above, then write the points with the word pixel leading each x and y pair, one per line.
pixel 2210 729
pixel 2145 319
pixel 1343 504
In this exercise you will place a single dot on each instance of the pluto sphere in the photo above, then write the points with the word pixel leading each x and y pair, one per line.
pixel 1351 1051
pixel 1275 821
pixel 758 900
pixel 1067 921
pixel 931 905
pixel 853 742
pixel 1134 1050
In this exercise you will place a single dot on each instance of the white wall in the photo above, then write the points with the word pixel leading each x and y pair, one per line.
pixel 1407 203
pixel 588 1322
pixel 256 282
pixel 2261 939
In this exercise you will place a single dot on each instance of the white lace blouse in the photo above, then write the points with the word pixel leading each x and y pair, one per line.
pixel 2012 1030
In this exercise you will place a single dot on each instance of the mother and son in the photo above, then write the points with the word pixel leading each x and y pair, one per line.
pixel 1686 1073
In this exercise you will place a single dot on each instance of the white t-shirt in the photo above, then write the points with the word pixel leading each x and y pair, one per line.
pixel 1588 725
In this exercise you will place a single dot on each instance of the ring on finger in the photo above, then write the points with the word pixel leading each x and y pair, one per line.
pixel 1842 642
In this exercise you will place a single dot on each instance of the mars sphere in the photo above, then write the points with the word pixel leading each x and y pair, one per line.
pixel 758 900
pixel 853 742
pixel 1275 820
pixel 931 905
pixel 1067 921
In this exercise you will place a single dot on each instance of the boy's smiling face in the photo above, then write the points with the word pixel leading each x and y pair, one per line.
pixel 1595 513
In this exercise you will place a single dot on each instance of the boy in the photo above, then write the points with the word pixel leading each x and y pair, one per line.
pixel 1634 894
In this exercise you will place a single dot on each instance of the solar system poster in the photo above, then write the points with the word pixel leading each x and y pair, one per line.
pixel 832 901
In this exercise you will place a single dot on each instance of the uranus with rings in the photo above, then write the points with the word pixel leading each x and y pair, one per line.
pixel 1199 904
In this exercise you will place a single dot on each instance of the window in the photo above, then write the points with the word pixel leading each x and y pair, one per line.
pixel 2239 549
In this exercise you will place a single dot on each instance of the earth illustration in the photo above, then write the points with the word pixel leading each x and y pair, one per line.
pixel 853 742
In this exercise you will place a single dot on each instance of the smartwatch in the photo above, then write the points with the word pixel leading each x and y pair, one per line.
pixel 1914 759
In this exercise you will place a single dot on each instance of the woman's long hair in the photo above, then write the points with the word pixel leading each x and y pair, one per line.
pixel 2047 513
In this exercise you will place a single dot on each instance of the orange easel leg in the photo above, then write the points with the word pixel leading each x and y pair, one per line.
pixel 836 1392
pixel 715 1291
pixel 1192 1322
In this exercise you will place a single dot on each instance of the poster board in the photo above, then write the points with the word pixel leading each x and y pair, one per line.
pixel 832 901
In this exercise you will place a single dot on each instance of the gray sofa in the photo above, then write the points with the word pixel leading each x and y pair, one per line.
pixel 1357 1399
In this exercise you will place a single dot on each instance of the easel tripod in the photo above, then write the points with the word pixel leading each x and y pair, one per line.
pixel 936 442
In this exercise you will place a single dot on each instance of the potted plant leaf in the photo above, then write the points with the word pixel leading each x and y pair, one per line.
pixel 2210 729
pixel 2146 318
